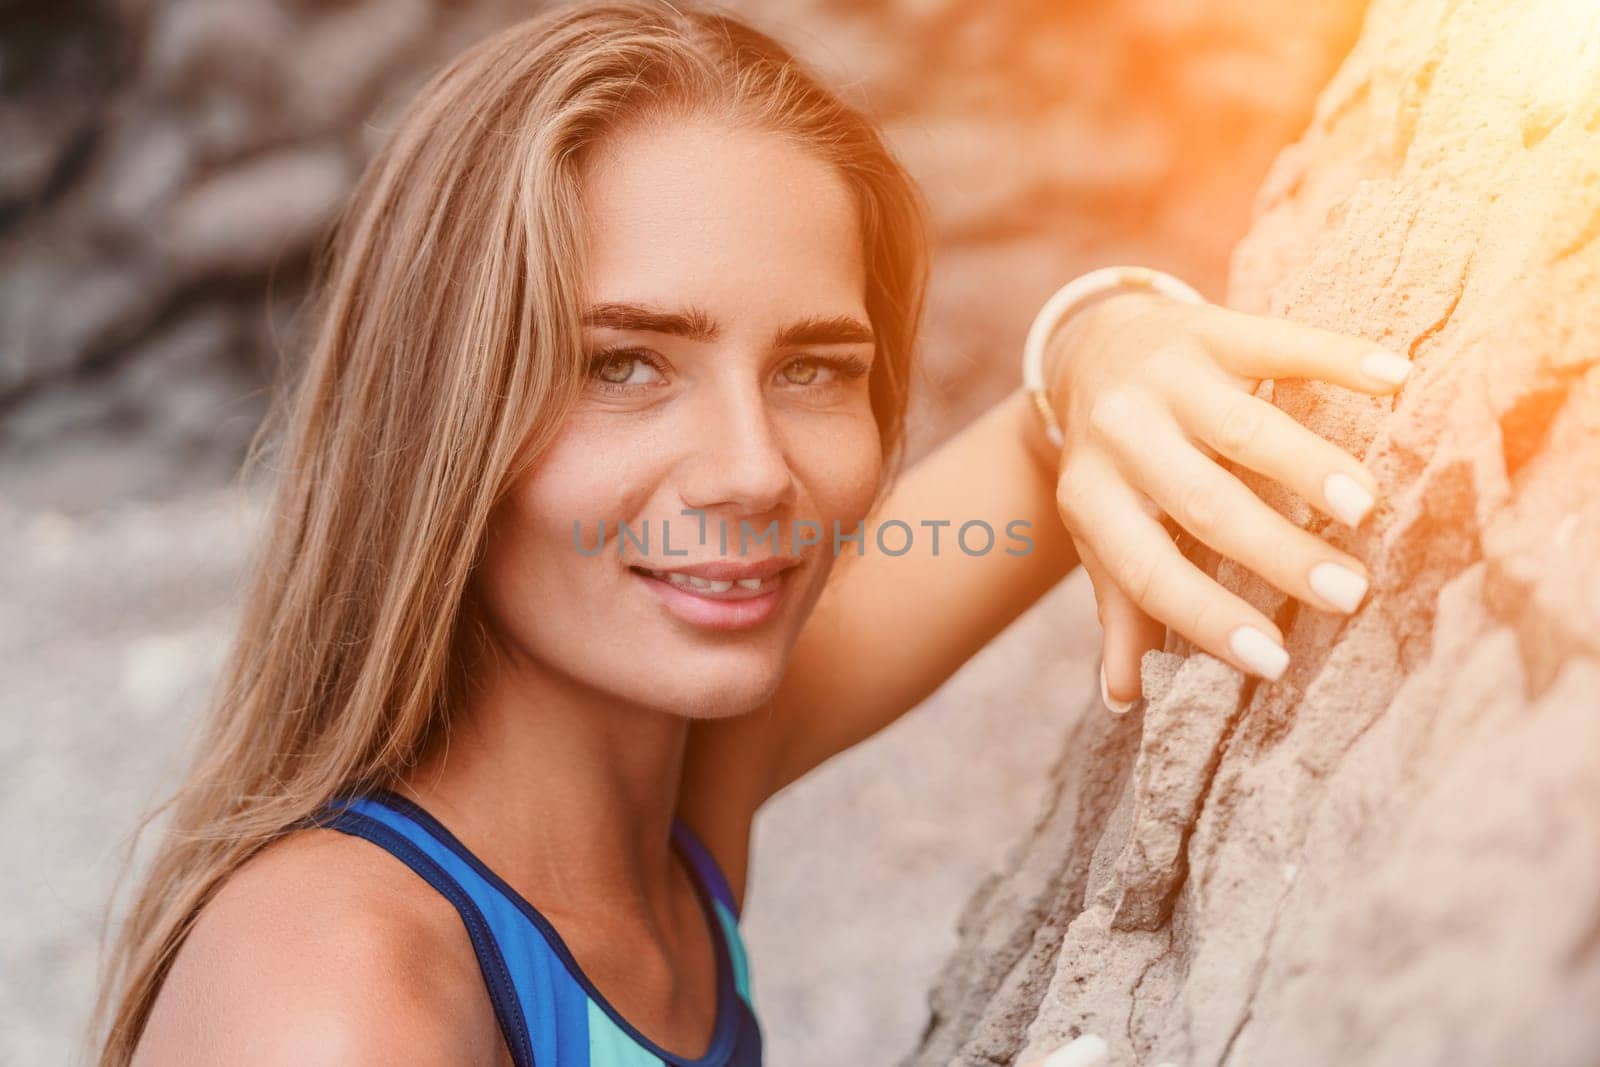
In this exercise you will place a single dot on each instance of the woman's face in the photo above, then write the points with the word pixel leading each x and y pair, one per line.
pixel 730 344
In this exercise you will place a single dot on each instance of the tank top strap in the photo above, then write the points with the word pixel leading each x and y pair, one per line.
pixel 710 874
pixel 549 1011
pixel 705 865
pixel 535 1002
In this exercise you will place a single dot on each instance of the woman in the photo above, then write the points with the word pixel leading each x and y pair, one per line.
pixel 475 792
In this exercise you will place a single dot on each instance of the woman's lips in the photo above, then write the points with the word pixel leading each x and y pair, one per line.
pixel 717 605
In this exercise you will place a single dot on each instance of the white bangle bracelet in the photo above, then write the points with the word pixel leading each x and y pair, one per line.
pixel 1070 298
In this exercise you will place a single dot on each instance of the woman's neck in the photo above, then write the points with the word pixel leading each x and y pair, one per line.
pixel 566 792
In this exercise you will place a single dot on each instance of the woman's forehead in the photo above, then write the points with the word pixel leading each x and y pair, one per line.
pixel 677 205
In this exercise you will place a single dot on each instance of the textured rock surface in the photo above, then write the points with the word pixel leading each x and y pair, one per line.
pixel 1392 854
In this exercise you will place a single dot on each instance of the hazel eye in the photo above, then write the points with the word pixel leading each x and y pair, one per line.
pixel 808 371
pixel 614 370
pixel 820 372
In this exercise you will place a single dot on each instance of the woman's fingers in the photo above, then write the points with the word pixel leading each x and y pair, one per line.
pixel 1126 634
pixel 1259 346
pixel 1221 511
pixel 1139 556
pixel 1267 439
pixel 1132 439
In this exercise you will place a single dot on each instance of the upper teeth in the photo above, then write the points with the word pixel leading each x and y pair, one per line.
pixel 707 584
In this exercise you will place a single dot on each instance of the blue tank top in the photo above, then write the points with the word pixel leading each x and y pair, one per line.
pixel 549 1011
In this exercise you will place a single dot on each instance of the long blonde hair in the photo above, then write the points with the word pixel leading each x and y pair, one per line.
pixel 445 352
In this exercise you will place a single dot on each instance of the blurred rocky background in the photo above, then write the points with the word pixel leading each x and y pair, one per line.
pixel 166 170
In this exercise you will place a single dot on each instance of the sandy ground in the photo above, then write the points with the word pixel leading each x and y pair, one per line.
pixel 112 625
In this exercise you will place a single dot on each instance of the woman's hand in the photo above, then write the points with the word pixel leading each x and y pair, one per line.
pixel 1149 391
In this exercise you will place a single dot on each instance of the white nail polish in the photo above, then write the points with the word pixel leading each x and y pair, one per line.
pixel 1347 498
pixel 1260 653
pixel 1338 585
pixel 1386 366
pixel 1087 1051
pixel 1116 707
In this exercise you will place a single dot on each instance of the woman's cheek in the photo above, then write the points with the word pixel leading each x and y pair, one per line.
pixel 594 470
pixel 844 471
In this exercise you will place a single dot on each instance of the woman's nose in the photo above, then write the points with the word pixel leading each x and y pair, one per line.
pixel 736 458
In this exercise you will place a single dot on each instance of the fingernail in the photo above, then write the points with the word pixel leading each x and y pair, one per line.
pixel 1338 585
pixel 1087 1051
pixel 1347 498
pixel 1116 707
pixel 1386 366
pixel 1260 653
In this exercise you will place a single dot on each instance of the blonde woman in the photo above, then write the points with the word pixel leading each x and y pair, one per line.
pixel 474 792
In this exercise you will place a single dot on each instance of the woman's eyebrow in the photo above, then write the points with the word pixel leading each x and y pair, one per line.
pixel 830 330
pixel 691 322
pixel 696 325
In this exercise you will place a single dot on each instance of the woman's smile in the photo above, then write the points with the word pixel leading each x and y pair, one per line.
pixel 723 595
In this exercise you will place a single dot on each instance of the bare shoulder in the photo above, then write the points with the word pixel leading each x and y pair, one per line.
pixel 324 949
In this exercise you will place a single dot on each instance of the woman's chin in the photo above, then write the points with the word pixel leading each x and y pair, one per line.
pixel 715 692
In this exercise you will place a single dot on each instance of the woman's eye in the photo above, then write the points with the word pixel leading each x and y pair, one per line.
pixel 625 370
pixel 822 370
pixel 621 370
pixel 802 371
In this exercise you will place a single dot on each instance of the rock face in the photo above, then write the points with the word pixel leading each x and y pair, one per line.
pixel 1392 854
